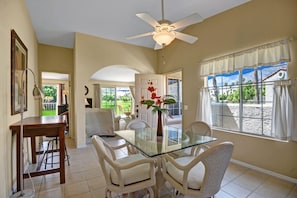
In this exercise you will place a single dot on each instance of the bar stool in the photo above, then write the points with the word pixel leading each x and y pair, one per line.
pixel 53 140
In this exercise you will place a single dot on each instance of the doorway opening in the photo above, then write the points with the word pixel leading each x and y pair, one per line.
pixel 55 87
pixel 174 87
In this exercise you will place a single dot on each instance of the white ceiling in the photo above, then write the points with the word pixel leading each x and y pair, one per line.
pixel 54 76
pixel 56 21
pixel 115 73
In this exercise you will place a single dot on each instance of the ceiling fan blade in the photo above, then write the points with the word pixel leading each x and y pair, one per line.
pixel 185 37
pixel 147 18
pixel 189 20
pixel 140 35
pixel 157 46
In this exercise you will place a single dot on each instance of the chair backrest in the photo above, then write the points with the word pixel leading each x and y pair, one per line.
pixel 215 160
pixel 137 124
pixel 201 128
pixel 99 122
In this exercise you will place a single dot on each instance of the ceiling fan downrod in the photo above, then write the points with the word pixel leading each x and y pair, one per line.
pixel 162 10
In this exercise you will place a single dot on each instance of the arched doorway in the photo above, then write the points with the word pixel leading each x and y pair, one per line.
pixel 113 87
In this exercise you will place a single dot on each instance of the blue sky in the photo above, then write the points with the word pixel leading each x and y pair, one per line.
pixel 248 74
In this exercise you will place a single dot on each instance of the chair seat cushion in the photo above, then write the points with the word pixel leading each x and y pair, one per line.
pixel 133 175
pixel 195 176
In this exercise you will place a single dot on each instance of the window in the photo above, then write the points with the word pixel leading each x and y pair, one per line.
pixel 174 87
pixel 117 98
pixel 49 102
pixel 242 100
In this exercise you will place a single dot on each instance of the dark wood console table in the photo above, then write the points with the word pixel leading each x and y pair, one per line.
pixel 40 126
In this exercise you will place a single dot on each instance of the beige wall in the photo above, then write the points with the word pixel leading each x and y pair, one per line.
pixel 249 25
pixel 55 59
pixel 13 15
pixel 93 53
pixel 254 23
pixel 59 60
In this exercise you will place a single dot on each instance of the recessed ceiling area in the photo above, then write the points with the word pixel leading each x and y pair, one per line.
pixel 115 73
pixel 56 21
pixel 53 76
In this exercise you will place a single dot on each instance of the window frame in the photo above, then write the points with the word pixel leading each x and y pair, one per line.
pixel 261 86
pixel 115 106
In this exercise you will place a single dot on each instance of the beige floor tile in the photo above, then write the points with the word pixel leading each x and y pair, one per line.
pixel 98 193
pixel 95 183
pixel 255 195
pixel 33 184
pixel 91 173
pixel 83 195
pixel 74 177
pixel 222 194
pixel 76 189
pixel 275 188
pixel 84 179
pixel 250 179
pixel 225 181
pixel 234 171
pixel 49 182
pixel 236 190
pixel 51 193
pixel 293 193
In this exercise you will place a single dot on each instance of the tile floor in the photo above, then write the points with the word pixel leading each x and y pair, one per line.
pixel 84 179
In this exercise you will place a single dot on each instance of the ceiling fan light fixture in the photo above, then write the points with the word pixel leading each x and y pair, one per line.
pixel 164 37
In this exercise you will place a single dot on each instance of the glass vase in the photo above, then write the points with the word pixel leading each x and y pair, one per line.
pixel 159 125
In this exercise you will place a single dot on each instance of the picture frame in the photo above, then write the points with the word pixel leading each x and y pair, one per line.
pixel 19 61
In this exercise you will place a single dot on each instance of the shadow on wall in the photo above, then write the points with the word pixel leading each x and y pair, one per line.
pixel 256 120
pixel 223 117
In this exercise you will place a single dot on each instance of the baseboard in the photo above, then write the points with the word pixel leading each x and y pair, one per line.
pixel 14 189
pixel 262 170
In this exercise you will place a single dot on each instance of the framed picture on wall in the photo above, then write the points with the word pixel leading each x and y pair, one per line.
pixel 19 60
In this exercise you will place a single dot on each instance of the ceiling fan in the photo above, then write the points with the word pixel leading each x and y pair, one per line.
pixel 165 31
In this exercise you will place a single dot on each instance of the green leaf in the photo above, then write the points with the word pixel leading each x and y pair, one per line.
pixel 169 101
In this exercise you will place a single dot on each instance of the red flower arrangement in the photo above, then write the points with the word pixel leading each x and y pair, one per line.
pixel 157 102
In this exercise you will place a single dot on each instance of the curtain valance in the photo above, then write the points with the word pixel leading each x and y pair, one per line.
pixel 267 54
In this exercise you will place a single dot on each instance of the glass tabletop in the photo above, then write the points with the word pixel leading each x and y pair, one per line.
pixel 173 139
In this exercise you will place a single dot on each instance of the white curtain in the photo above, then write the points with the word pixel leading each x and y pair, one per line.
pixel 97 95
pixel 204 110
pixel 267 54
pixel 132 91
pixel 283 118
pixel 224 64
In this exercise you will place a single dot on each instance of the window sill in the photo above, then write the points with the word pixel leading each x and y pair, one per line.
pixel 249 135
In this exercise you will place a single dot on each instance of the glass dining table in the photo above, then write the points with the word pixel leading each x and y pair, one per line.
pixel 148 143
pixel 173 139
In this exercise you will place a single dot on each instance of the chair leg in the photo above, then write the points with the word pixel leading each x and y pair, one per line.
pixel 67 156
pixel 46 153
pixel 151 192
pixel 56 139
pixel 107 193
pixel 51 144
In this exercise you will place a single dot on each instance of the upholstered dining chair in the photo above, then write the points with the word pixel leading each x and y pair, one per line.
pixel 133 125
pixel 201 175
pixel 124 175
pixel 52 144
pixel 199 128
pixel 137 124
